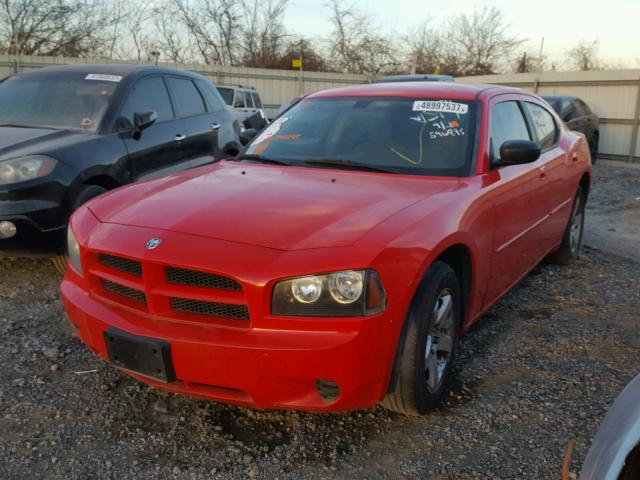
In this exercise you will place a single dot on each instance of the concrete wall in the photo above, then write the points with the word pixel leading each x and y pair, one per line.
pixel 275 86
pixel 612 95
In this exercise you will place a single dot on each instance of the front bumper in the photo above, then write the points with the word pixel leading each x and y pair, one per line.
pixel 40 226
pixel 256 367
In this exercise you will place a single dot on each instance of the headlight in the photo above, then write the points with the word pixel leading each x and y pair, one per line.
pixel 340 294
pixel 73 250
pixel 25 168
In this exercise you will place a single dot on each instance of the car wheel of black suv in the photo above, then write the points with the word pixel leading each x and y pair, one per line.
pixel 87 193
pixel 572 240
pixel 426 349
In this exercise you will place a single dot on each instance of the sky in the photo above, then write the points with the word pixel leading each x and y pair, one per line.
pixel 615 23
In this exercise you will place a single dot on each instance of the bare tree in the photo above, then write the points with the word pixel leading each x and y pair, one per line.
pixel 263 33
pixel 56 27
pixel 584 56
pixel 312 59
pixel 425 48
pixel 480 41
pixel 356 46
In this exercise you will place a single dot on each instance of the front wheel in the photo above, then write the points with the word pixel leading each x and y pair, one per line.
pixel 427 346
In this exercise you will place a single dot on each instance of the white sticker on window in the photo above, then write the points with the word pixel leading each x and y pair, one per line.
pixel 103 77
pixel 271 130
pixel 445 106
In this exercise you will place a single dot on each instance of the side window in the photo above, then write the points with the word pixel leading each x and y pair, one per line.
pixel 581 108
pixel 543 124
pixel 211 96
pixel 187 98
pixel 568 112
pixel 148 94
pixel 507 123
pixel 238 101
pixel 247 100
pixel 256 99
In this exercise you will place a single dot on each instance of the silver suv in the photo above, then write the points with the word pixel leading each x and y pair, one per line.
pixel 243 101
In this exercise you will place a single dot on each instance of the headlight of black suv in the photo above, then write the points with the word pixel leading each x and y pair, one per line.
pixel 346 293
pixel 25 168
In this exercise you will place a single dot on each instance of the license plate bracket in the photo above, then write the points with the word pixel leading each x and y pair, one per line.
pixel 146 356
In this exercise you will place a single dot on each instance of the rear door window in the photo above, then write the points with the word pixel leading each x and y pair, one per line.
pixel 187 98
pixel 256 99
pixel 211 96
pixel 543 125
pixel 507 123
pixel 226 94
pixel 148 94
pixel 247 100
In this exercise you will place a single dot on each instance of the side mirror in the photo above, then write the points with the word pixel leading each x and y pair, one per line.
pixel 143 120
pixel 247 135
pixel 516 152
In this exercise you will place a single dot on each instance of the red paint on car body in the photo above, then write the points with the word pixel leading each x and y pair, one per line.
pixel 257 224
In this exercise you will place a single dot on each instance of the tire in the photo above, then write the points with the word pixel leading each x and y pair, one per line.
pixel 593 147
pixel 87 193
pixel 631 470
pixel 423 364
pixel 572 239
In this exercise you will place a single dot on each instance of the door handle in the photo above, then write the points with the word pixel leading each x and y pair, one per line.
pixel 574 157
pixel 215 126
pixel 180 137
pixel 543 175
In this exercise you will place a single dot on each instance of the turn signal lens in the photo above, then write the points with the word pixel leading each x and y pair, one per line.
pixel 73 250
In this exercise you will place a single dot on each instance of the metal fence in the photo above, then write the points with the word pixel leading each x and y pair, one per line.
pixel 275 86
pixel 613 95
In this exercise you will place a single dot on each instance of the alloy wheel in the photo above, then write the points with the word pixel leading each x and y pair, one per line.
pixel 575 232
pixel 439 341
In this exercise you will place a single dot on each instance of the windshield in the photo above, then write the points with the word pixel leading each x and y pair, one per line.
pixel 399 135
pixel 64 100
pixel 226 94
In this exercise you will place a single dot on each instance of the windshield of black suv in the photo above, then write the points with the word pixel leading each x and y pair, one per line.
pixel 398 135
pixel 67 100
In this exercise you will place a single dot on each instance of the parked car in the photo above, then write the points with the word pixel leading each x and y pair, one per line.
pixel 243 101
pixel 615 452
pixel 578 117
pixel 335 262
pixel 415 78
pixel 70 133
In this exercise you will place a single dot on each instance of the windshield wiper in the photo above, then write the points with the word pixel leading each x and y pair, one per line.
pixel 348 164
pixel 260 158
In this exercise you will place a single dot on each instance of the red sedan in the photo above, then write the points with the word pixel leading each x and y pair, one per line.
pixel 335 262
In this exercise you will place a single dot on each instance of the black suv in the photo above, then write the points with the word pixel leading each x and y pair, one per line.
pixel 578 117
pixel 68 134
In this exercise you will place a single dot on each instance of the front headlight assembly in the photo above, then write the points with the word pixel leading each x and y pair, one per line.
pixel 73 250
pixel 25 168
pixel 346 293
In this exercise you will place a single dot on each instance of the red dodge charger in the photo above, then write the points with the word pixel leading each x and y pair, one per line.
pixel 334 263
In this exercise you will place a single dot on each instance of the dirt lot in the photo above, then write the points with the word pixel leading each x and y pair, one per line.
pixel 541 368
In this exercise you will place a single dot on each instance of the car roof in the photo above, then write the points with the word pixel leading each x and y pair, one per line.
pixel 111 69
pixel 415 89
pixel 557 97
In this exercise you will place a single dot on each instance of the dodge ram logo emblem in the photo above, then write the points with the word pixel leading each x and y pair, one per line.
pixel 153 243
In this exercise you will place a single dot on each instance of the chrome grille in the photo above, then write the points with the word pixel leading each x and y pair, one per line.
pixel 123 264
pixel 215 309
pixel 124 291
pixel 193 278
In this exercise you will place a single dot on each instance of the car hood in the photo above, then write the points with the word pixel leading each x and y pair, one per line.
pixel 284 208
pixel 16 141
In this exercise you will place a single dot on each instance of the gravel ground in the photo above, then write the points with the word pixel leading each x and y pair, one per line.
pixel 541 368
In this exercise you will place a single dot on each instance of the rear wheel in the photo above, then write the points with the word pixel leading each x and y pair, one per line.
pixel 87 193
pixel 426 350
pixel 572 240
